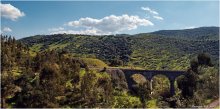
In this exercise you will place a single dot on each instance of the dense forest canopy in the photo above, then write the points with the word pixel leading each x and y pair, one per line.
pixel 202 33
pixel 150 51
pixel 59 70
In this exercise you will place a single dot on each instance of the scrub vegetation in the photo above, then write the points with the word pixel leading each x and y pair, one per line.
pixel 63 70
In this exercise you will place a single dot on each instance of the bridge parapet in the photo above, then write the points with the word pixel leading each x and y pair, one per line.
pixel 149 74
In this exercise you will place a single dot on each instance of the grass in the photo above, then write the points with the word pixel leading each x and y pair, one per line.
pixel 59 46
pixel 36 47
pixel 129 67
pixel 16 72
pixel 82 72
pixel 154 59
pixel 32 53
pixel 99 75
pixel 69 84
pixel 152 103
pixel 91 62
pixel 124 100
pixel 208 101
pixel 103 74
pixel 218 107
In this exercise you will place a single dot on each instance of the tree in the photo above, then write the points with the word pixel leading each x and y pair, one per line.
pixel 204 59
pixel 88 89
pixel 144 92
pixel 190 82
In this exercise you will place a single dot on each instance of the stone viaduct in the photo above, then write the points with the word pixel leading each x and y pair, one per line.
pixel 149 74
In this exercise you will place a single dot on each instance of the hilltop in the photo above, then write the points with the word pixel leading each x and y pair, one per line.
pixel 202 33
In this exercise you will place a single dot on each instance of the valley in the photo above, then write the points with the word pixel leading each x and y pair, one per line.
pixel 90 70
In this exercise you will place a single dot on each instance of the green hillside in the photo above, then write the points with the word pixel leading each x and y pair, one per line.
pixel 63 70
pixel 202 33
pixel 149 51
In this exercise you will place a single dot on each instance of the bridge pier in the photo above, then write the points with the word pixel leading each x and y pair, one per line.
pixel 149 74
pixel 172 88
pixel 151 88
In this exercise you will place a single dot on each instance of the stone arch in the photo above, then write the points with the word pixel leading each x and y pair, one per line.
pixel 149 74
pixel 175 82
pixel 130 81
pixel 167 75
pixel 156 80
pixel 139 78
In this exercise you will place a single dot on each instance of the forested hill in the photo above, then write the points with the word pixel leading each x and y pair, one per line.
pixel 166 49
pixel 61 70
pixel 202 33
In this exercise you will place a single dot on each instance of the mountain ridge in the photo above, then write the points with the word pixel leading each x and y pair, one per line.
pixel 124 34
pixel 195 33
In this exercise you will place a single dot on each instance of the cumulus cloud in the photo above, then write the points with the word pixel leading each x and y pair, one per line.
pixel 10 12
pixel 149 10
pixel 61 30
pixel 189 27
pixel 6 29
pixel 56 29
pixel 87 32
pixel 158 17
pixel 110 24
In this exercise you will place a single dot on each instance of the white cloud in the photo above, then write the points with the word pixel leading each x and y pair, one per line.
pixel 109 24
pixel 154 13
pixel 6 29
pixel 189 27
pixel 10 12
pixel 87 32
pixel 56 29
pixel 150 10
pixel 158 17
pixel 61 30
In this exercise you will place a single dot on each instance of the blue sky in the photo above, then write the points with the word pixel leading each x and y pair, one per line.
pixel 22 18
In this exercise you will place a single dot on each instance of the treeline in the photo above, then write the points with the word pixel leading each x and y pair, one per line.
pixel 202 33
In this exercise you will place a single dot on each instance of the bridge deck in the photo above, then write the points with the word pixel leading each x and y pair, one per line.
pixel 143 70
